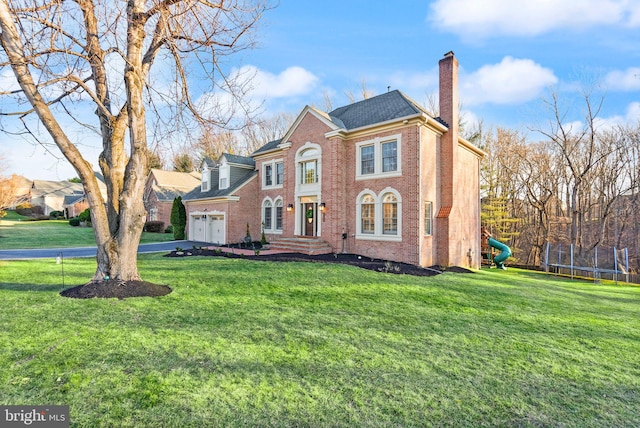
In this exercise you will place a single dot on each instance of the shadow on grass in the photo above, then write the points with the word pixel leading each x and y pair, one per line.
pixel 35 287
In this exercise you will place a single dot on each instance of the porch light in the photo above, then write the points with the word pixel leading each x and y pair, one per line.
pixel 323 207
pixel 290 207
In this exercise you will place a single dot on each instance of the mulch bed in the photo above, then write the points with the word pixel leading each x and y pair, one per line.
pixel 125 289
pixel 116 289
pixel 364 262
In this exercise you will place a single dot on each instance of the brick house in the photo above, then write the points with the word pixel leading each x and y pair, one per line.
pixel 162 187
pixel 379 177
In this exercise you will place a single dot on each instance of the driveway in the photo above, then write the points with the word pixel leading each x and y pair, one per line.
pixel 44 253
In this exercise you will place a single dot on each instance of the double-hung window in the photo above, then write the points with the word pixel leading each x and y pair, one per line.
pixel 389 214
pixel 273 174
pixel 367 160
pixel 379 216
pixel 267 214
pixel 378 158
pixel 389 156
pixel 268 175
pixel 308 172
pixel 428 218
pixel 368 215
pixel 279 173
pixel 279 214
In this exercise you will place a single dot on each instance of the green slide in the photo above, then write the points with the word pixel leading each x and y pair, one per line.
pixel 505 252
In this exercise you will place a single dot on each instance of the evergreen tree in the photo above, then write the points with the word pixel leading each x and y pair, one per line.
pixel 178 218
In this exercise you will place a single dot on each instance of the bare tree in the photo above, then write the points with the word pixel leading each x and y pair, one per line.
pixel 8 188
pixel 264 131
pixel 70 58
pixel 581 152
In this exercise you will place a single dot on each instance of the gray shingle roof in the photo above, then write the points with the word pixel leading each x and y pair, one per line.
pixel 215 192
pixel 269 146
pixel 381 108
pixel 241 160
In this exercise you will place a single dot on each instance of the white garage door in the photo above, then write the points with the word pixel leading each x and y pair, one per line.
pixel 199 228
pixel 216 228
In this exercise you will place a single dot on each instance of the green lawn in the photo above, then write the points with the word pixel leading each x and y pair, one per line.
pixel 16 233
pixel 247 343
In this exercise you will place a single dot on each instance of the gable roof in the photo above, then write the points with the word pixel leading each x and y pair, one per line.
pixel 240 160
pixel 176 179
pixel 271 145
pixel 382 108
pixel 216 192
pixel 55 188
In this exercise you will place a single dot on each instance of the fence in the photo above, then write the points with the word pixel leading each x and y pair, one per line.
pixel 598 263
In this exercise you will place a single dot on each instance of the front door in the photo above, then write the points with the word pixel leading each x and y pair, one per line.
pixel 309 213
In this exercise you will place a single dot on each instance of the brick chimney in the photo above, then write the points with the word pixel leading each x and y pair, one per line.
pixel 449 113
pixel 448 147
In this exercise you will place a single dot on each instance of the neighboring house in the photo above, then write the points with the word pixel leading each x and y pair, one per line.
pixel 162 187
pixel 380 178
pixel 75 204
pixel 62 196
pixel 50 195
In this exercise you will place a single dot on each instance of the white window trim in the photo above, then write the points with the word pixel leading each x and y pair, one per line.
pixel 308 188
pixel 274 174
pixel 377 143
pixel 424 232
pixel 379 220
pixel 274 229
pixel 224 172
pixel 205 185
pixel 267 227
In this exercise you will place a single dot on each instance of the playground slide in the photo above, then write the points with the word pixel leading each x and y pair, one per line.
pixel 505 252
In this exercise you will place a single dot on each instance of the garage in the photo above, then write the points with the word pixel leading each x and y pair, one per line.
pixel 207 228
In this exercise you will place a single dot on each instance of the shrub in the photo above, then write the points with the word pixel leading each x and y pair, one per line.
pixel 24 209
pixel 178 218
pixel 56 214
pixel 85 215
pixel 75 222
pixel 169 229
pixel 154 226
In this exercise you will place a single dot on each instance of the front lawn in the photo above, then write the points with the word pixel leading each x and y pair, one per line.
pixel 16 233
pixel 249 343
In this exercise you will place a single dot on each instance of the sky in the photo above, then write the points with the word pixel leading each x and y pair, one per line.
pixel 513 55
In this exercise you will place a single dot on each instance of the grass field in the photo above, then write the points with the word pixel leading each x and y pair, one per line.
pixel 17 233
pixel 248 343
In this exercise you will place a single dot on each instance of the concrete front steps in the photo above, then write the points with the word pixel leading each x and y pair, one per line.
pixel 309 246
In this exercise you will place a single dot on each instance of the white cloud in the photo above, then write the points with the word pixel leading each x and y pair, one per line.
pixel 624 80
pixel 472 18
pixel 511 81
pixel 291 82
pixel 631 116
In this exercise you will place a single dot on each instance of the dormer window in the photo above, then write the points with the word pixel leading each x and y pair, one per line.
pixel 224 178
pixel 205 184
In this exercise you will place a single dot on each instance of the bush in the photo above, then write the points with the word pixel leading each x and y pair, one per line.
pixel 178 218
pixel 169 229
pixel 75 222
pixel 56 214
pixel 85 215
pixel 154 226
pixel 24 209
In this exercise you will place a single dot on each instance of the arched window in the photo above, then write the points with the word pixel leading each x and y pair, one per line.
pixel 389 214
pixel 308 159
pixel 367 215
pixel 279 214
pixel 267 214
